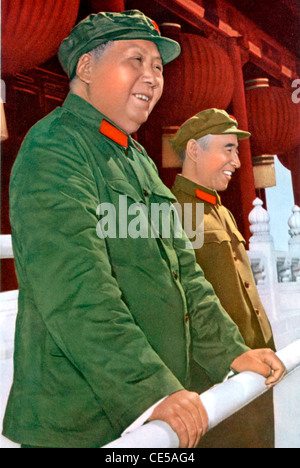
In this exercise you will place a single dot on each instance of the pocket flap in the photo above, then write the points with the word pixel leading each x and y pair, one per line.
pixel 163 192
pixel 123 187
pixel 239 236
pixel 216 236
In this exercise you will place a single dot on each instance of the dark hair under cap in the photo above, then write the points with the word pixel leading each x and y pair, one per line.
pixel 100 28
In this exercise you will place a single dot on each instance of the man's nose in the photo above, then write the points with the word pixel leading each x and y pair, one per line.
pixel 150 76
pixel 236 160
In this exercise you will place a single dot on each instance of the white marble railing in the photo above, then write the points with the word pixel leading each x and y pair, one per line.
pixel 6 250
pixel 285 264
pixel 277 273
pixel 220 402
pixel 8 312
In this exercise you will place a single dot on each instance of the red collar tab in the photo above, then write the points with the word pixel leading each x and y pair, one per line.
pixel 113 133
pixel 212 199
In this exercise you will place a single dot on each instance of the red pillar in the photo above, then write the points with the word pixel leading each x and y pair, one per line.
pixel 245 174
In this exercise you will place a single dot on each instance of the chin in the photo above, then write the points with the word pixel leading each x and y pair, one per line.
pixel 222 189
pixel 134 125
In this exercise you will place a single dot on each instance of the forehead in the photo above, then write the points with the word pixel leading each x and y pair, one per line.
pixel 146 47
pixel 223 140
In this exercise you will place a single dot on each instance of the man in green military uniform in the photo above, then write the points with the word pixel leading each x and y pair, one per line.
pixel 106 322
pixel 208 145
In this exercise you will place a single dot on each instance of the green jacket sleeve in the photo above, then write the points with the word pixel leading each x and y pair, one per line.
pixel 66 267
pixel 216 340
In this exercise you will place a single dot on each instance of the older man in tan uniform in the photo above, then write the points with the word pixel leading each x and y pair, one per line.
pixel 208 145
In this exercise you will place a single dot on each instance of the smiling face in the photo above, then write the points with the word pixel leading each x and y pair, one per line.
pixel 214 166
pixel 125 83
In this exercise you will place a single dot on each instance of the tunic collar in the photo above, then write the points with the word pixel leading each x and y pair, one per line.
pixel 198 191
pixel 113 133
pixel 102 124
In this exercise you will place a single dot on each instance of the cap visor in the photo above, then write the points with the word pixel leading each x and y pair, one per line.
pixel 168 49
pixel 241 135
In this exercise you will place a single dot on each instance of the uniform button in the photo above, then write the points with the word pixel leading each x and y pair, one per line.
pixel 146 193
pixel 186 318
pixel 257 312
pixel 247 285
pixel 235 259
pixel 175 274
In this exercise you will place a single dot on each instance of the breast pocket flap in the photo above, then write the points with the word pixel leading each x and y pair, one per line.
pixel 216 237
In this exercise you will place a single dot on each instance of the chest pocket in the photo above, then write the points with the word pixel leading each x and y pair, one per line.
pixel 122 187
pixel 239 237
pixel 163 212
pixel 217 237
pixel 220 236
pixel 161 193
pixel 131 242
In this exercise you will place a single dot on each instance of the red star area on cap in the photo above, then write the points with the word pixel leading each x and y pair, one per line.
pixel 232 117
pixel 156 26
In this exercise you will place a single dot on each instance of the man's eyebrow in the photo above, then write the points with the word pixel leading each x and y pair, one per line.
pixel 230 145
pixel 144 51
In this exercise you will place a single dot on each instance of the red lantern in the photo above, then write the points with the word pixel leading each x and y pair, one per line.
pixel 274 119
pixel 32 31
pixel 274 123
pixel 200 78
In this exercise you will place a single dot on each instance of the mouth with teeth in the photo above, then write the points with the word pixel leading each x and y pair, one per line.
pixel 142 97
pixel 228 173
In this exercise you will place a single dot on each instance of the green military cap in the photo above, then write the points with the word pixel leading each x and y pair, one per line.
pixel 100 28
pixel 208 122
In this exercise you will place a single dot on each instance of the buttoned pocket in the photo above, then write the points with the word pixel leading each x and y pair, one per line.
pixel 123 187
pixel 217 237
pixel 239 237
pixel 163 214
pixel 124 224
pixel 161 191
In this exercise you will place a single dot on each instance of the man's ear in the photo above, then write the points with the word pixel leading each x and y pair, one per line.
pixel 192 150
pixel 84 66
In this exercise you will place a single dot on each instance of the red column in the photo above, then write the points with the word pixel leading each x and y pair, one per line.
pixel 245 174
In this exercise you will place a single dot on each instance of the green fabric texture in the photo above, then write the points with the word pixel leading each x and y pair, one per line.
pixel 102 331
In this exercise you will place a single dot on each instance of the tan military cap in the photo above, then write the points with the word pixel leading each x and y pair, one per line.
pixel 208 122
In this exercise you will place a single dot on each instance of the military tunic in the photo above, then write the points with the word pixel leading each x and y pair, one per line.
pixel 105 324
pixel 225 263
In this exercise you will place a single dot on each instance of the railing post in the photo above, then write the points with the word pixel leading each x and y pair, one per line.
pixel 262 247
pixel 294 232
pixel 6 250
